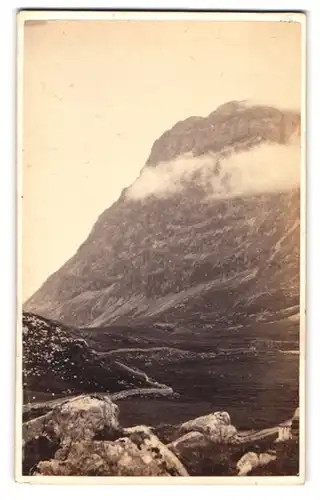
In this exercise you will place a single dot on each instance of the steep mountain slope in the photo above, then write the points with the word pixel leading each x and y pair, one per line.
pixel 207 235
pixel 57 360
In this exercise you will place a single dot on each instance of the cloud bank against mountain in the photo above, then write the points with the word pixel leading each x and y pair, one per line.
pixel 208 233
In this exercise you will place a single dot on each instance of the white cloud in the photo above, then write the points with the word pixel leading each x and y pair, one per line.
pixel 265 168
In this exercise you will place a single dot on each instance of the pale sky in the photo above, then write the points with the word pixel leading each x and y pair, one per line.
pixel 96 95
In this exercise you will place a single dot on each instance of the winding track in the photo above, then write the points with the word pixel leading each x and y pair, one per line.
pixel 143 375
pixel 118 396
pixel 248 437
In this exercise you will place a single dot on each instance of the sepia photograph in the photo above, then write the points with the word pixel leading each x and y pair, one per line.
pixel 161 228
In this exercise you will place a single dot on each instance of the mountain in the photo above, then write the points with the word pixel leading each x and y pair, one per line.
pixel 57 360
pixel 207 238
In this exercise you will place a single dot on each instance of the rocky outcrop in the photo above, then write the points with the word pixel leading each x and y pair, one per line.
pixel 83 437
pixel 138 453
pixel 197 452
pixel 216 426
pixel 81 433
pixel 236 124
pixel 190 441
pixel 251 461
pixel 79 419
pixel 58 360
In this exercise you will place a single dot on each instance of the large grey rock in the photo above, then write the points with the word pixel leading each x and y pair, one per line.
pixel 138 453
pixel 251 461
pixel 216 426
pixel 192 449
pixel 80 418
pixel 204 456
pixel 188 442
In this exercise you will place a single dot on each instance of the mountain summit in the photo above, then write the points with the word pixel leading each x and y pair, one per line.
pixel 236 125
pixel 208 234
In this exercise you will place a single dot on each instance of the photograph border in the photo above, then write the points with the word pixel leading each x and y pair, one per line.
pixel 165 15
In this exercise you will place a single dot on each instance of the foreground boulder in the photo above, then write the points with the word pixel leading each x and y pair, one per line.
pixel 80 418
pixel 195 450
pixel 204 457
pixel 138 453
pixel 251 461
pixel 82 437
pixel 191 441
pixel 216 426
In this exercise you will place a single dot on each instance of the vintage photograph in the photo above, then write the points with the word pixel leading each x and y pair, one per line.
pixel 161 203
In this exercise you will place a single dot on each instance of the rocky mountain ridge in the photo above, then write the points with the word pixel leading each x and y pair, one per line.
pixel 233 126
pixel 208 234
